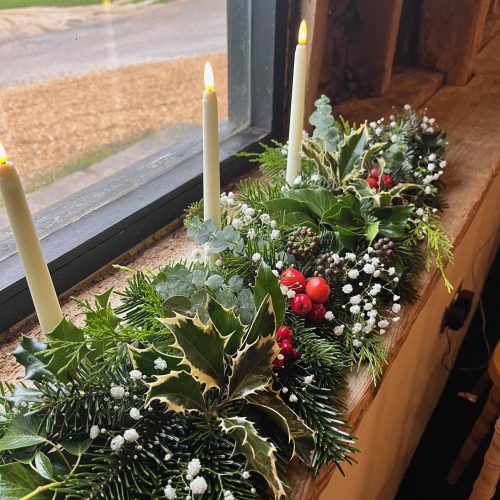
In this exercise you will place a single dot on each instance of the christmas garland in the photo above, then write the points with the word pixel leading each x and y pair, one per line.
pixel 207 380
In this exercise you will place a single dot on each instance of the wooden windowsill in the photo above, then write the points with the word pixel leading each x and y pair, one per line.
pixel 468 113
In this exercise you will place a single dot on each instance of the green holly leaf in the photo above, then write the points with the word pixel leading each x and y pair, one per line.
pixel 259 452
pixel 102 300
pixel 267 283
pixel 227 324
pixel 25 355
pixel 251 368
pixel 18 480
pixel 203 348
pixel 179 391
pixel 43 466
pixel 264 322
pixel 23 431
pixel 302 437
pixel 67 347
pixel 144 360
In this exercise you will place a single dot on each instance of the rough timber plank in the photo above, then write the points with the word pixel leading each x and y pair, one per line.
pixel 470 116
pixel 413 86
pixel 450 36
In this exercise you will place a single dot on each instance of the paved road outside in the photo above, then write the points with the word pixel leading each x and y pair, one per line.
pixel 160 32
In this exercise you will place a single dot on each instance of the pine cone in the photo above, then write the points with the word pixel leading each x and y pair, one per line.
pixel 329 267
pixel 385 250
pixel 303 243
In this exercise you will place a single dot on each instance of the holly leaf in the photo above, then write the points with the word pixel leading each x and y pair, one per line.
pixel 203 348
pixel 102 300
pixel 144 360
pixel 227 324
pixel 67 347
pixel 372 231
pixel 43 465
pixel 22 432
pixel 350 151
pixel 259 452
pixel 252 368
pixel 34 366
pixel 179 391
pixel 264 322
pixel 302 437
pixel 18 480
pixel 267 283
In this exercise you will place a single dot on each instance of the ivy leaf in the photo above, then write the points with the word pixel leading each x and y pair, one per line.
pixel 350 151
pixel 144 359
pixel 294 219
pixel 318 201
pixel 259 452
pixel 25 355
pixel 43 466
pixel 23 431
pixel 68 348
pixel 267 283
pixel 76 448
pixel 23 395
pixel 264 322
pixel 179 391
pixel 302 437
pixel 227 324
pixel 18 480
pixel 203 348
pixel 252 368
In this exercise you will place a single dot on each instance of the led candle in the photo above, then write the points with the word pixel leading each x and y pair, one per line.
pixel 297 107
pixel 30 251
pixel 211 167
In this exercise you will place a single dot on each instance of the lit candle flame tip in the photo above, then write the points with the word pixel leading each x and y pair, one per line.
pixel 209 77
pixel 303 32
pixel 3 154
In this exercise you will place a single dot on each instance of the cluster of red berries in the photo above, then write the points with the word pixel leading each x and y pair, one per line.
pixel 311 303
pixel 374 179
pixel 284 337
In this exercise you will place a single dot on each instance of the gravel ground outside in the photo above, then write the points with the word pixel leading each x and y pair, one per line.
pixel 52 127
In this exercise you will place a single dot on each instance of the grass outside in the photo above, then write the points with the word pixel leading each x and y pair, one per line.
pixel 17 4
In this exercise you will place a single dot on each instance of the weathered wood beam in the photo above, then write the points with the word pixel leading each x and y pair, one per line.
pixel 450 36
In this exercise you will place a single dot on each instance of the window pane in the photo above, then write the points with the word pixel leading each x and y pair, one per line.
pixel 89 87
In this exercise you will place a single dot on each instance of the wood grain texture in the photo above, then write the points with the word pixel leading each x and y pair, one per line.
pixel 450 36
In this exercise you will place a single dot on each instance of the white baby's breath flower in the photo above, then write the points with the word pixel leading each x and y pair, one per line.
pixel 443 164
pixel 353 274
pixel 167 457
pixel 428 190
pixel 135 413
pixel 338 330
pixel 218 262
pixel 391 271
pixel 169 492
pixel 117 443
pixel 237 223
pixel 431 167
pixel 357 343
pixel 309 379
pixel 383 323
pixel 265 218
pixel 432 157
pixel 372 314
pixel 279 264
pixel 419 212
pixel 275 234
pixel 256 257
pixel 94 431
pixel 357 327
pixel 293 398
pixel 198 485
pixel 376 273
pixel 368 307
pixel 395 298
pixel 355 299
pixel 194 467
pixel 131 435
pixel 329 316
pixel 250 212
pixel 396 319
pixel 247 219
pixel 347 288
pixel 273 224
pixel 117 392
pixel 291 294
pixel 355 309
pixel 251 233
pixel 396 308
pixel 368 268
pixel 135 374
pixel 160 364
pixel 407 107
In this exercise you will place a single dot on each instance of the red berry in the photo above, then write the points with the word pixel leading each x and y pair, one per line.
pixel 295 353
pixel 374 173
pixel 293 279
pixel 284 333
pixel 372 182
pixel 318 289
pixel 286 348
pixel 301 304
pixel 317 314
pixel 388 181
pixel 278 363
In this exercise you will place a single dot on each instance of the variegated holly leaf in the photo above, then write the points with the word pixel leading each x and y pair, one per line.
pixel 252 368
pixel 180 391
pixel 144 360
pixel 301 436
pixel 227 324
pixel 264 322
pixel 267 283
pixel 202 346
pixel 259 452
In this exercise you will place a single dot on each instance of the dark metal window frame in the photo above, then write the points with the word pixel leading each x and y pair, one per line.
pixel 257 33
